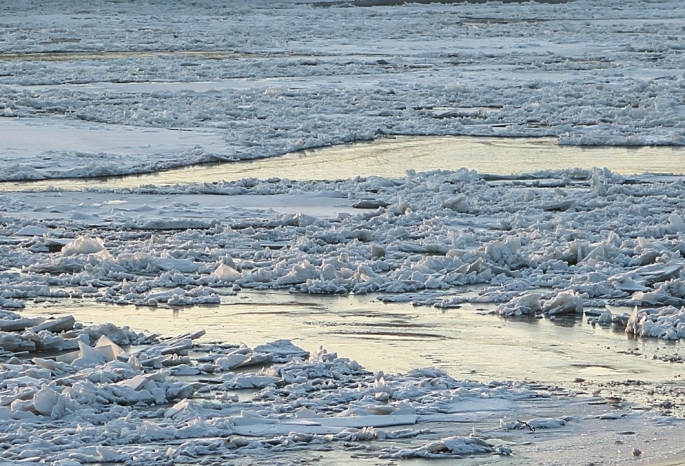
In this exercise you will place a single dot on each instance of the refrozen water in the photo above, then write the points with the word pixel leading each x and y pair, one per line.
pixel 585 73
pixel 398 337
pixel 449 243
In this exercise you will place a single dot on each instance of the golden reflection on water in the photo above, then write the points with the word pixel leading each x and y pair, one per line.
pixel 398 337
pixel 393 157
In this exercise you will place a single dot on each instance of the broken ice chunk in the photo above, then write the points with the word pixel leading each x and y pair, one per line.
pixel 566 302
pixel 526 304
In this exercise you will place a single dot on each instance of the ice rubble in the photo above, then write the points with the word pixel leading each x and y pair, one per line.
pixel 558 242
pixel 305 81
pixel 29 334
pixel 522 242
pixel 176 400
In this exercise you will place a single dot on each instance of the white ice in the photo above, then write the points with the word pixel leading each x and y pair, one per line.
pixel 112 88
pixel 108 90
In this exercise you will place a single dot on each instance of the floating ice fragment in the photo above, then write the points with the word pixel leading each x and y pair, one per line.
pixel 50 364
pixel 558 206
pixel 626 283
pixel 134 383
pixel 503 451
pixel 83 245
pixel 249 381
pixel 13 325
pixel 66 462
pixel 60 324
pixel 677 225
pixel 182 265
pixel 282 348
pixel 533 424
pixel 445 448
pixel 300 273
pixel 665 322
pixel 108 348
pixel 597 184
pixel 227 274
pixel 610 416
pixel 232 360
pixel 377 251
pixel 45 400
pixel 31 230
pixel 88 356
pixel 526 304
pixel 15 343
pixel 172 224
pixel 606 318
pixel 370 204
pixel 670 293
pixel 458 204
pixel 180 409
pixel 547 423
pixel 565 302
pixel 98 454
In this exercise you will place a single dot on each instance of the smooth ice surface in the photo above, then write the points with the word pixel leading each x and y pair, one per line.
pixel 100 150
pixel 391 158
pixel 399 337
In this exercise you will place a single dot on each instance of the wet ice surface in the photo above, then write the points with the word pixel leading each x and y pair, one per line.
pixel 180 401
pixel 424 257
pixel 390 157
pixel 204 402
pixel 399 337
pixel 476 277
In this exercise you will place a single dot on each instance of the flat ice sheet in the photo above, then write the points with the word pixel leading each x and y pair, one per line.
pixel 37 148
pixel 394 158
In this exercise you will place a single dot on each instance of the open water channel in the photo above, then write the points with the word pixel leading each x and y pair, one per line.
pixel 392 157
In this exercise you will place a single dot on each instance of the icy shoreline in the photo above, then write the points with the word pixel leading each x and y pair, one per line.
pixel 568 242
pixel 175 400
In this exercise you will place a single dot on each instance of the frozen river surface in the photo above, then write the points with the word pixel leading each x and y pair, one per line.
pixel 341 233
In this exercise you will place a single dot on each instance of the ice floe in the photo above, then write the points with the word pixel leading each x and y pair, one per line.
pixel 213 90
pixel 614 249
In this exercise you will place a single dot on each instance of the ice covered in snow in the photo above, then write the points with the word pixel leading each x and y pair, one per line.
pixel 615 248
pixel 511 249
pixel 107 90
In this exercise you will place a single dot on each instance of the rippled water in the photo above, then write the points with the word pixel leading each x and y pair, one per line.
pixel 466 342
